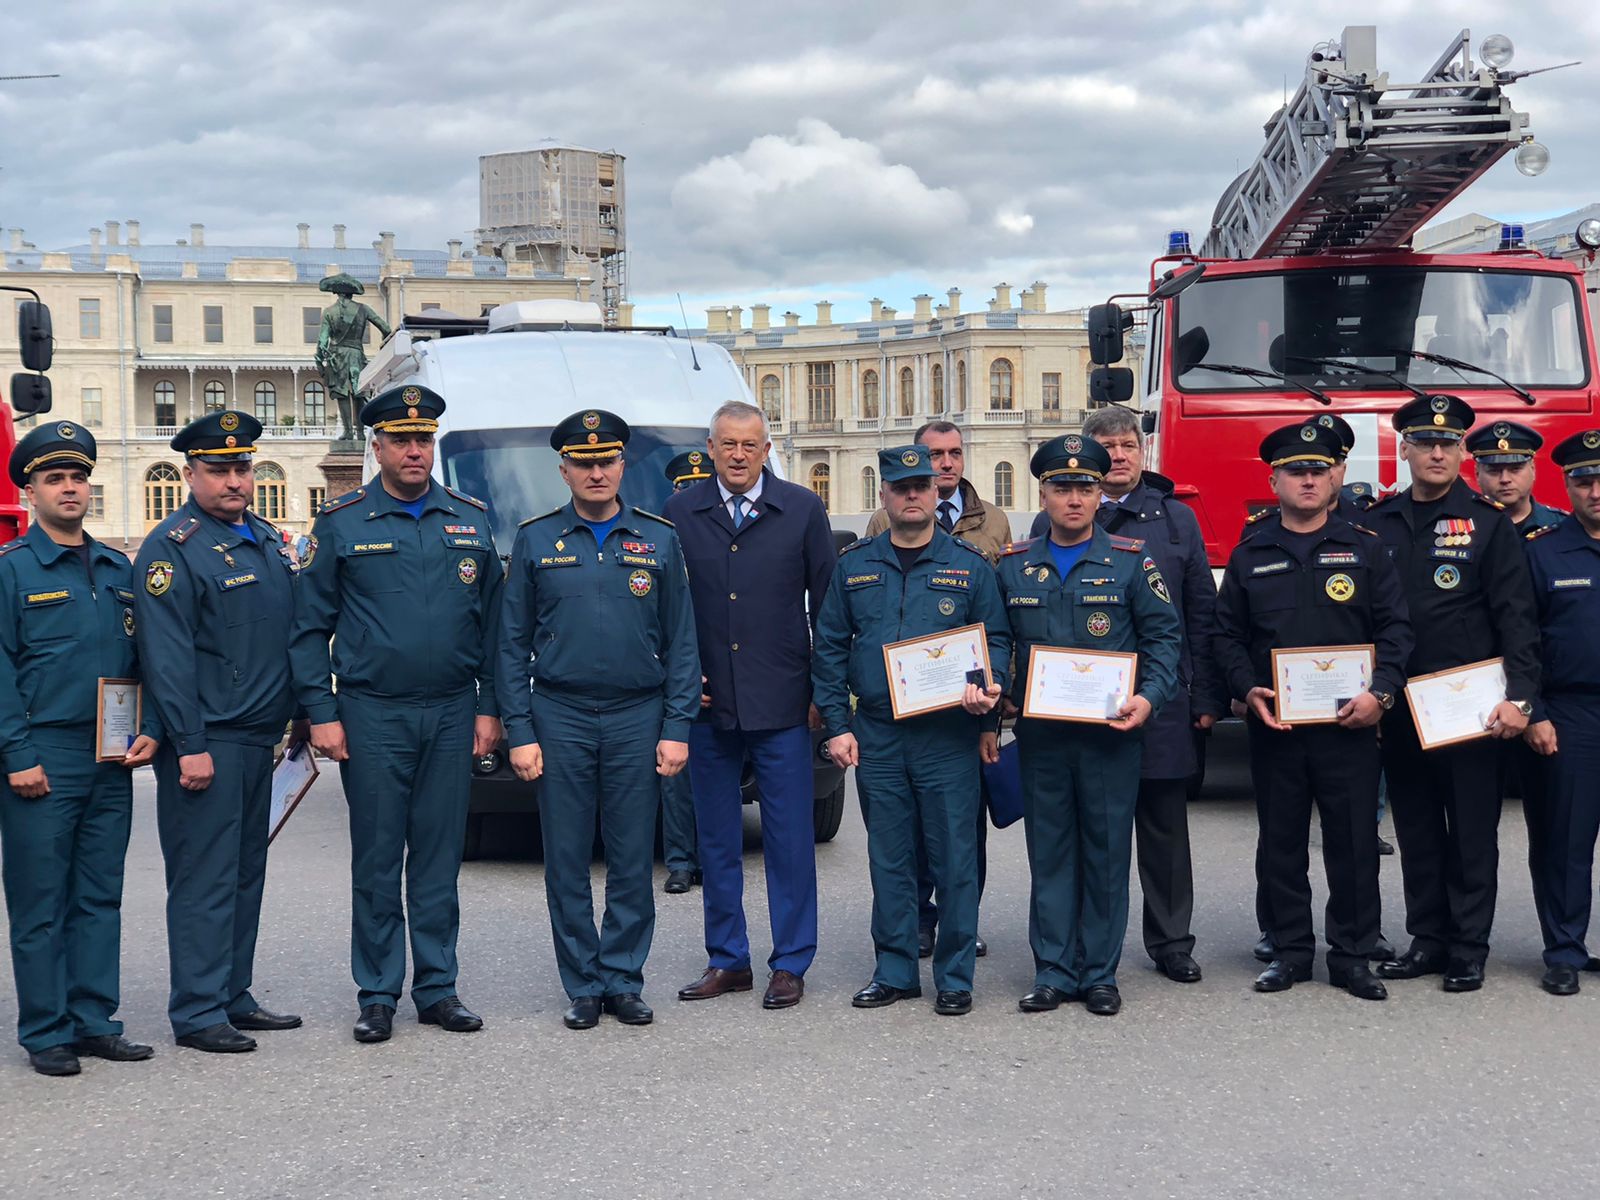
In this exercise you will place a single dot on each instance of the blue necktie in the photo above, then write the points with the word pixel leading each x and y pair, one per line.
pixel 738 510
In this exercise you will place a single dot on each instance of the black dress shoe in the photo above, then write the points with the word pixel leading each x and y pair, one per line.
pixel 1385 846
pixel 1413 964
pixel 1264 950
pixel 1280 976
pixel 1045 998
pixel 375 1024
pixel 263 1020
pixel 880 995
pixel 1560 981
pixel 1593 964
pixel 218 1039
pixel 924 943
pixel 953 1004
pixel 1103 1000
pixel 55 1060
pixel 1382 951
pixel 113 1047
pixel 1359 981
pixel 678 882
pixel 1181 968
pixel 584 1013
pixel 629 1008
pixel 451 1015
pixel 1463 976
pixel 983 948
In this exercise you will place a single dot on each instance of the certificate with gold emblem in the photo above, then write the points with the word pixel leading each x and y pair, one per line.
pixel 931 673
pixel 1312 683
pixel 292 778
pixel 1454 706
pixel 118 726
pixel 1069 684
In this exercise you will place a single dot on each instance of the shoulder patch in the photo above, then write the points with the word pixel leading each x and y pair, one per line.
pixel 1262 515
pixel 183 532
pixel 472 500
pixel 1132 545
pixel 1021 547
pixel 857 544
pixel 966 545
pixel 653 516
pixel 1362 529
pixel 339 502
pixel 540 517
pixel 1382 500
pixel 1527 537
pixel 1482 499
pixel 13 544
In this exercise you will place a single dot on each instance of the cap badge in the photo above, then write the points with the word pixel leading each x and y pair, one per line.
pixel 1503 444
pixel 66 431
pixel 412 395
pixel 1308 433
pixel 1591 440
pixel 230 441
pixel 910 458
pixel 593 438
pixel 1438 418
pixel 1439 404
pixel 1502 430
pixel 1072 443
pixel 1072 462
pixel 412 412
pixel 229 421
pixel 591 420
pixel 695 458
pixel 1325 421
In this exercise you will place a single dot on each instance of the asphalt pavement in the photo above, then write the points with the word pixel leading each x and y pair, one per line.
pixel 1206 1089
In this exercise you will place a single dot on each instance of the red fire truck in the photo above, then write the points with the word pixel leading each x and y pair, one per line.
pixel 28 394
pixel 1307 297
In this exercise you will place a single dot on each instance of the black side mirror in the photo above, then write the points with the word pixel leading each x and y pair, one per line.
pixel 34 335
pixel 30 394
pixel 1172 282
pixel 1147 422
pixel 1110 385
pixel 1106 323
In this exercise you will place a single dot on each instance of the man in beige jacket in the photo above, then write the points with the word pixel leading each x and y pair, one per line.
pixel 960 511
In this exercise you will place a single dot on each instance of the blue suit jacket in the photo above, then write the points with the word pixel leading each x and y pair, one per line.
pixel 753 590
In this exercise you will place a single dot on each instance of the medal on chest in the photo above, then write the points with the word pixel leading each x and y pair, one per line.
pixel 1452 531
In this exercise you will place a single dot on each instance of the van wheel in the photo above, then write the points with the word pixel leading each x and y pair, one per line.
pixel 472 847
pixel 827 813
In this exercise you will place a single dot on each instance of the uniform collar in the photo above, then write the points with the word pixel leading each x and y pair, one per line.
pixel 1334 529
pixel 940 550
pixel 1457 501
pixel 626 519
pixel 224 535
pixel 1098 552
pixel 46 549
pixel 380 503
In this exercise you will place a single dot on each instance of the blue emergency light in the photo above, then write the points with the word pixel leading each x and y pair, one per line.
pixel 1512 237
pixel 1178 242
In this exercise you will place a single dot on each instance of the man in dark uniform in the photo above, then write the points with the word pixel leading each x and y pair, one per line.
pixel 66 622
pixel 1504 455
pixel 1466 584
pixel 403 575
pixel 598 597
pixel 1560 799
pixel 677 796
pixel 1313 579
pixel 911 581
pixel 213 608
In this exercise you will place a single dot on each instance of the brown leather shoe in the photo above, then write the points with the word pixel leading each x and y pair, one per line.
pixel 783 990
pixel 716 982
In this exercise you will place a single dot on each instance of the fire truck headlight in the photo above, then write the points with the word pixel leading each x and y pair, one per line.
pixel 1532 158
pixel 1589 234
pixel 1497 51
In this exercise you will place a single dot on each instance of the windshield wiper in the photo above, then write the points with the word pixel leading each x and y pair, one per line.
pixel 1362 367
pixel 1459 365
pixel 1259 373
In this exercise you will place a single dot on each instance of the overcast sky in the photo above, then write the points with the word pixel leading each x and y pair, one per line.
pixel 778 153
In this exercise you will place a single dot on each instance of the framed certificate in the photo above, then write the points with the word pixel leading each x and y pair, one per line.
pixel 1312 684
pixel 1066 684
pixel 291 779
pixel 1454 706
pixel 118 703
pixel 928 674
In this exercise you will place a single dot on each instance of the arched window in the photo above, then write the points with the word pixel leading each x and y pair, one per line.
pixel 1003 476
pixel 771 397
pixel 936 386
pixel 1000 384
pixel 216 396
pixel 316 403
pixel 819 482
pixel 163 492
pixel 869 489
pixel 961 385
pixel 271 491
pixel 166 405
pixel 869 395
pixel 266 403
pixel 908 392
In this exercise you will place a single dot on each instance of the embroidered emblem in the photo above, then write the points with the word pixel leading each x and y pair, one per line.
pixel 1340 587
pixel 1439 404
pixel 229 582
pixel 1308 433
pixel 639 583
pixel 1325 421
pixel 1158 585
pixel 1099 624
pixel 127 621
pixel 467 569
pixel 66 431
pixel 910 458
pixel 1447 576
pixel 947 607
pixel 1591 440
pixel 1044 573
pixel 696 458
pixel 560 545
pixel 1502 430
pixel 311 551
pixel 1073 444
pixel 158 578
pixel 591 420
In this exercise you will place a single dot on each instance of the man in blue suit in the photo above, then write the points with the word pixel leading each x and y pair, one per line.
pixel 759 553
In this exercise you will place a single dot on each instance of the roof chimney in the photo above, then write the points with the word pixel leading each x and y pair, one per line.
pixel 824 312
pixel 624 313
pixel 16 238
pixel 133 233
pixel 197 235
pixel 94 241
pixel 113 233
pixel 1002 298
pixel 761 316
pixel 716 318
pixel 338 237
pixel 954 296
pixel 455 248
pixel 924 307
pixel 386 243
pixel 888 313
pixel 305 235
pixel 791 320
pixel 877 309
pixel 1039 290
pixel 735 318
pixel 941 311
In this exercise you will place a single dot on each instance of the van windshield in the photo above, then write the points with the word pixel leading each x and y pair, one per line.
pixel 514 471
pixel 1520 324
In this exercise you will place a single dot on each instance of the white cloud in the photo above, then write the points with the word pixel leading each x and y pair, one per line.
pixel 812 73
pixel 1012 222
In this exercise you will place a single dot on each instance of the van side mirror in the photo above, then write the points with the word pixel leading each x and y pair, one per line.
pixel 1106 323
pixel 30 394
pixel 1147 422
pixel 34 335
pixel 1110 385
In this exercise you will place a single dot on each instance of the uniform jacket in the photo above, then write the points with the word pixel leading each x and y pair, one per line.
pixel 753 588
pixel 412 604
pixel 607 626
pixel 213 613
pixel 1541 516
pixel 1564 563
pixel 1470 600
pixel 60 633
pixel 1114 599
pixel 871 602
pixel 1346 593
pixel 980 523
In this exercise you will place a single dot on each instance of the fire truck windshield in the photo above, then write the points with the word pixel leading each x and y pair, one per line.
pixel 1523 325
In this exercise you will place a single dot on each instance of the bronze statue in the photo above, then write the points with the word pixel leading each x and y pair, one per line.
pixel 339 354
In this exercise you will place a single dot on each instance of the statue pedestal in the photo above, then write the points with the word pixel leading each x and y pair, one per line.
pixel 342 468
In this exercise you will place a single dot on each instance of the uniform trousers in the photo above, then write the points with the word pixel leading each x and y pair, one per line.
pixel 215 845
pixel 677 823
pixel 1079 790
pixel 1562 806
pixel 406 783
pixel 1338 770
pixel 921 774
pixel 1166 869
pixel 1446 806
pixel 63 857
pixel 599 761
pixel 927 906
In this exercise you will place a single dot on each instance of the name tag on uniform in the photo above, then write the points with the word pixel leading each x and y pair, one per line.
pixel 228 582
pixel 464 543
pixel 121 594
pixel 1273 568
pixel 638 560
pixel 1024 601
pixel 1561 585
pixel 948 579
pixel 855 581
pixel 1338 558
pixel 558 560
pixel 1099 598
pixel 1450 552
pixel 372 548
pixel 59 596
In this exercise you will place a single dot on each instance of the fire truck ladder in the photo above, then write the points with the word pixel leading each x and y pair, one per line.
pixel 1355 162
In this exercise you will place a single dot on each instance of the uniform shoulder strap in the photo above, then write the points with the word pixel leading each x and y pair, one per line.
pixel 856 545
pixel 1132 545
pixel 13 544
pixel 1021 547
pixel 343 501
pixel 540 517
pixel 1531 535
pixel 653 516
pixel 184 530
pixel 1492 503
pixel 1260 515
pixel 466 499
